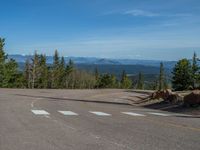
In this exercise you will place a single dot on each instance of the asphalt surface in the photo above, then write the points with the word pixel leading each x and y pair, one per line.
pixel 90 120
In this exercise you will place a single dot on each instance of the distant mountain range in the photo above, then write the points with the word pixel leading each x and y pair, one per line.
pixel 150 68
pixel 101 61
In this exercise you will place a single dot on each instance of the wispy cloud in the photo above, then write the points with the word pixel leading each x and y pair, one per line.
pixel 145 13
pixel 138 12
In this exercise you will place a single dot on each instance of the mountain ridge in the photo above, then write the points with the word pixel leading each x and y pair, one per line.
pixel 99 61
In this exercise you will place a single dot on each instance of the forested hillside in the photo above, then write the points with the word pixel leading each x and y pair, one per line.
pixel 38 72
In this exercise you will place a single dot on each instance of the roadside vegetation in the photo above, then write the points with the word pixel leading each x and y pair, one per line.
pixel 186 75
pixel 59 75
pixel 64 75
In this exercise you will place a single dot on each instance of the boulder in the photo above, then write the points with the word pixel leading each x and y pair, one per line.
pixel 174 98
pixel 168 96
pixel 167 93
pixel 192 99
pixel 158 95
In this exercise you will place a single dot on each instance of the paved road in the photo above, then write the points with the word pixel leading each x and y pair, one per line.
pixel 59 120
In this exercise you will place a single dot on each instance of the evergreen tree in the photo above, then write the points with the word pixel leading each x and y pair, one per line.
pixel 107 81
pixel 56 60
pixel 55 70
pixel 161 77
pixel 43 72
pixel 8 69
pixel 70 73
pixel 96 73
pixel 113 81
pixel 27 74
pixel 195 71
pixel 20 81
pixel 10 74
pixel 3 56
pixel 62 73
pixel 70 66
pixel 126 83
pixel 2 60
pixel 182 75
pixel 140 84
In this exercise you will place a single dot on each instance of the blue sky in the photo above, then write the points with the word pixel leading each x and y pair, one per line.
pixel 137 29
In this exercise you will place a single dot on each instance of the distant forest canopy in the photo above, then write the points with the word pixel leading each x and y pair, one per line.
pixel 131 70
pixel 36 72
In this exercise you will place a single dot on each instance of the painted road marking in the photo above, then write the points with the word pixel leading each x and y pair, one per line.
pixel 68 113
pixel 159 114
pixel 133 114
pixel 98 113
pixel 40 112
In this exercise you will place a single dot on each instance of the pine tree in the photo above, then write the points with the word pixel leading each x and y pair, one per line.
pixel 56 59
pixel 3 56
pixel 182 75
pixel 10 74
pixel 195 71
pixel 107 81
pixel 55 70
pixel 70 66
pixel 126 83
pixel 62 73
pixel 27 74
pixel 161 77
pixel 140 84
pixel 2 60
pixel 113 81
pixel 43 72
pixel 70 79
pixel 96 74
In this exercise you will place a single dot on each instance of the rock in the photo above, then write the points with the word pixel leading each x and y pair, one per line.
pixel 157 95
pixel 192 99
pixel 174 98
pixel 168 96
pixel 167 93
